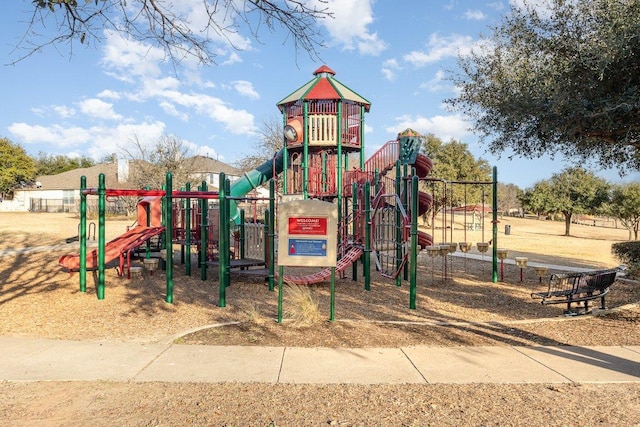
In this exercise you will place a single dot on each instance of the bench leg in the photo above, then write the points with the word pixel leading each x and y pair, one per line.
pixel 568 311
pixel 602 304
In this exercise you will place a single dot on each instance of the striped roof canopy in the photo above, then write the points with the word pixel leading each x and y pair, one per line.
pixel 324 86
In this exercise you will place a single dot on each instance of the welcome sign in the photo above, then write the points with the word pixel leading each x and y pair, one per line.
pixel 307 233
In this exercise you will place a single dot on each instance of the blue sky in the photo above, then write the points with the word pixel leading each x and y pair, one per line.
pixel 394 53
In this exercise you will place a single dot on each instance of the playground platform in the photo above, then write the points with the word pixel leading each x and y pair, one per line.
pixel 29 359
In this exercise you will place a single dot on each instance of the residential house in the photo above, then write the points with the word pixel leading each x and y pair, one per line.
pixel 61 192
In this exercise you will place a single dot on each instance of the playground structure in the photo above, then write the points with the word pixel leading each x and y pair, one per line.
pixel 378 202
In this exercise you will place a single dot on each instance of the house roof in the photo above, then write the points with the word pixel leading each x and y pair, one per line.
pixel 203 164
pixel 70 180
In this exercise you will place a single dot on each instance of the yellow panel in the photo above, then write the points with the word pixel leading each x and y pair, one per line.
pixel 322 129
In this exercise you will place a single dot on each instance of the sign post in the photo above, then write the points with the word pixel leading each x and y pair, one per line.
pixel 307 237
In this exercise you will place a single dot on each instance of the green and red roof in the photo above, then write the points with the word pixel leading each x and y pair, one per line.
pixel 325 87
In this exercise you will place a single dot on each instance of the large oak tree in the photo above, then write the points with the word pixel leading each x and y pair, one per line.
pixel 570 192
pixel 560 79
pixel 625 205
pixel 17 169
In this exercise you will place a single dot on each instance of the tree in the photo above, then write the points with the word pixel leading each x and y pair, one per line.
pixel 537 199
pixel 17 168
pixel 563 79
pixel 625 205
pixel 508 197
pixel 573 191
pixel 149 164
pixel 269 140
pixel 47 164
pixel 454 162
pixel 172 26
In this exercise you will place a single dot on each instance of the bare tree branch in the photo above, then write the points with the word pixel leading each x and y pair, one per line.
pixel 161 24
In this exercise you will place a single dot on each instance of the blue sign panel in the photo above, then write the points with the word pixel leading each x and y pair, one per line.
pixel 307 247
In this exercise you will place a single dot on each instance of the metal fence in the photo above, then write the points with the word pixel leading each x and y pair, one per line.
pixel 112 207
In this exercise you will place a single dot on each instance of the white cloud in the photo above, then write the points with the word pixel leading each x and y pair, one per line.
pixel 171 110
pixel 96 141
pixel 127 59
pixel 61 111
pixel 109 94
pixel 475 15
pixel 444 127
pixel 239 122
pixel 205 150
pixel 350 26
pixel 437 83
pixel 234 58
pixel 166 92
pixel 439 47
pixel 389 69
pixel 370 44
pixel 98 109
pixel 245 88
pixel 29 134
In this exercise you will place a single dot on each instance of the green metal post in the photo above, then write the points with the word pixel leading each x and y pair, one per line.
pixel 163 219
pixel 183 208
pixel 285 166
pixel 169 237
pixel 305 151
pixel 243 236
pixel 223 236
pixel 367 236
pixel 226 220
pixel 102 195
pixel 83 234
pixel 414 243
pixel 280 292
pixel 495 224
pixel 354 213
pixel 267 244
pixel 332 309
pixel 148 245
pixel 272 234
pixel 204 234
pixel 405 201
pixel 399 230
pixel 187 231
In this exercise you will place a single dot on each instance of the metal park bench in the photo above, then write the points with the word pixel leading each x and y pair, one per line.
pixel 575 288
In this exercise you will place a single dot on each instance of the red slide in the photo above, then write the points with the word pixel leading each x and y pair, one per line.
pixel 132 239
pixel 423 166
pixel 349 258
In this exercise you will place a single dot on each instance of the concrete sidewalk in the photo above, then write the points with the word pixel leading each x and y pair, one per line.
pixel 25 359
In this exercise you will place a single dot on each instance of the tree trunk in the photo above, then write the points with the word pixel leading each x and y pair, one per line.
pixel 567 223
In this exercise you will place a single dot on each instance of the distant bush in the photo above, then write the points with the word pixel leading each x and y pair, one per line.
pixel 627 252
